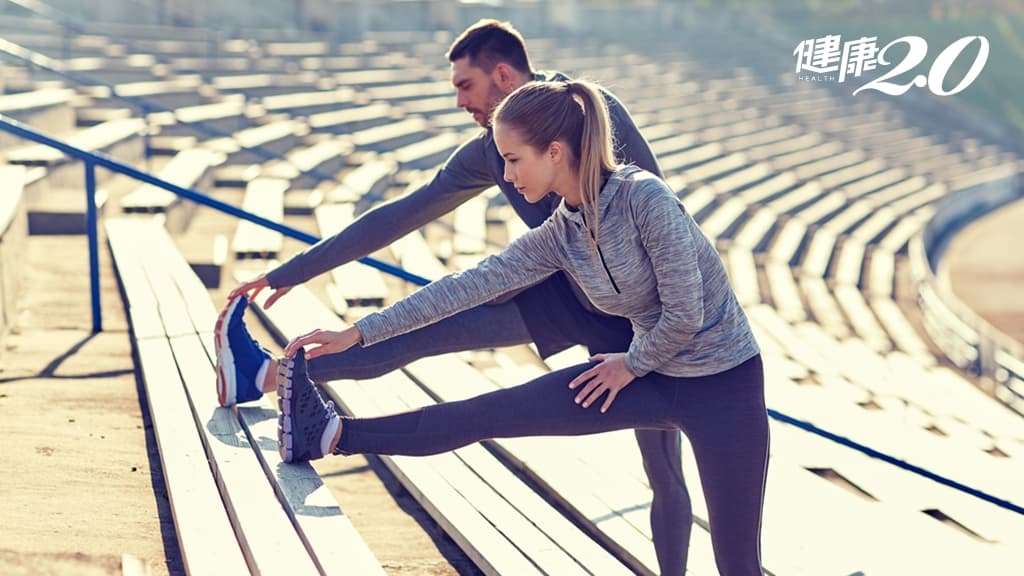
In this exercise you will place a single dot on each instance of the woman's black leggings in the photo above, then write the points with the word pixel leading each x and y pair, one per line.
pixel 722 415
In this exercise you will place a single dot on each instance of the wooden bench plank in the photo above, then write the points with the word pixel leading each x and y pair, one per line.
pixel 207 539
pixel 697 200
pixel 806 155
pixel 368 181
pixel 389 136
pixel 784 291
pixel 722 218
pixel 307 103
pixel 845 514
pixel 673 163
pixel 471 227
pixel 351 119
pixel 263 197
pixel 787 242
pixel 823 305
pixel 142 305
pixel 414 255
pixel 268 537
pixel 773 147
pixel 429 152
pixel 227 116
pixel 862 318
pixel 743 276
pixel 13 236
pixel 276 138
pixel 844 176
pixel 187 169
pixel 754 230
pixel 95 138
pixel 899 329
pixel 330 537
pixel 356 284
pixel 409 91
pixel 326 157
pixel 715 168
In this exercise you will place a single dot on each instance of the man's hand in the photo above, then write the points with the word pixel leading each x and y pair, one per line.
pixel 329 342
pixel 253 287
pixel 610 375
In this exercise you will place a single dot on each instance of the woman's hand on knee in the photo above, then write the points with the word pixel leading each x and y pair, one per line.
pixel 610 375
pixel 324 342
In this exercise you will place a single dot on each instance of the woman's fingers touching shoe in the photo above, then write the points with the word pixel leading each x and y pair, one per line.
pixel 324 342
pixel 250 288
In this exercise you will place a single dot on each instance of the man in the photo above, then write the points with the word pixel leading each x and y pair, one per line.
pixel 488 61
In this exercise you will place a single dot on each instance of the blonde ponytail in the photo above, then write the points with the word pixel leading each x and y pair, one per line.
pixel 596 158
pixel 572 112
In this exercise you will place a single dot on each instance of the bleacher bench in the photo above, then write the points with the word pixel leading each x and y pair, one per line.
pixel 237 508
pixel 188 169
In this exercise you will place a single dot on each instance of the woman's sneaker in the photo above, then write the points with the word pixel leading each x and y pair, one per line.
pixel 241 362
pixel 306 424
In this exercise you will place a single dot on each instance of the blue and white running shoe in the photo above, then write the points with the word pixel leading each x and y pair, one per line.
pixel 241 362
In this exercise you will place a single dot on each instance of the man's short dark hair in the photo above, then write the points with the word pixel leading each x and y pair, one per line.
pixel 489 43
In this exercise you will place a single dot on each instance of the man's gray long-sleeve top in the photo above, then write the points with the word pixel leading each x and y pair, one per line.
pixel 472 168
pixel 654 266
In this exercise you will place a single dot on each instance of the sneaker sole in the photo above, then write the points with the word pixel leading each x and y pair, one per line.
pixel 226 378
pixel 284 404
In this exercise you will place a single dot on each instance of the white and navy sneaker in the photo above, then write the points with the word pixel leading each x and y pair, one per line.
pixel 241 362
pixel 306 423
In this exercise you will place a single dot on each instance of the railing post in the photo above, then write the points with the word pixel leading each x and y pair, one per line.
pixel 94 251
pixel 65 42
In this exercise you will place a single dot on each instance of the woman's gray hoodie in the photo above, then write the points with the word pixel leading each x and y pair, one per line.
pixel 654 266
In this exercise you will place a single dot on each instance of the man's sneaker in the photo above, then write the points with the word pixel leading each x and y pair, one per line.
pixel 306 424
pixel 241 362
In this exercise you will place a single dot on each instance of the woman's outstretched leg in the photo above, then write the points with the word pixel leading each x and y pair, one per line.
pixel 544 406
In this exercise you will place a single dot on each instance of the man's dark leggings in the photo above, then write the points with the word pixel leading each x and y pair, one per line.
pixel 502 325
pixel 723 416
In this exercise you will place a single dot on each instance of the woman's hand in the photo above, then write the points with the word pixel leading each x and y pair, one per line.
pixel 329 342
pixel 610 375
pixel 253 287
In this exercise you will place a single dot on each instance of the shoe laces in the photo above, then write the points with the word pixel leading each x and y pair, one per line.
pixel 329 410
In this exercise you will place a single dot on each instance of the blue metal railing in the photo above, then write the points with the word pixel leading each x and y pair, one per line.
pixel 92 159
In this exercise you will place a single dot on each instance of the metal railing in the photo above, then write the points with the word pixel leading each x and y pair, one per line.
pixel 94 159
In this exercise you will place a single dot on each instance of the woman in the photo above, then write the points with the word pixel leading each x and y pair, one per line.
pixel 693 364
